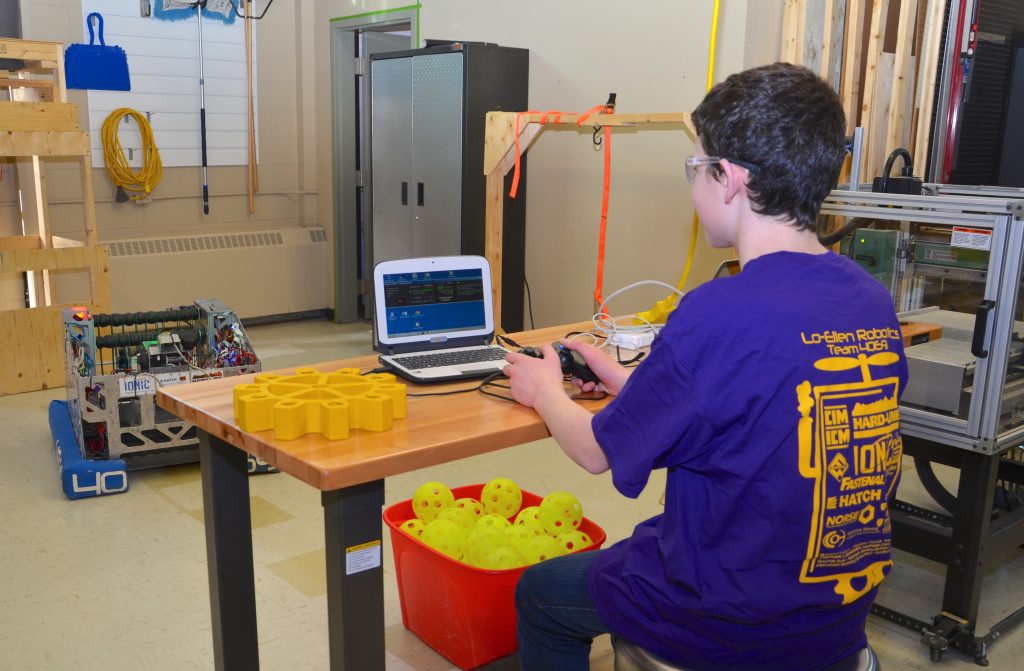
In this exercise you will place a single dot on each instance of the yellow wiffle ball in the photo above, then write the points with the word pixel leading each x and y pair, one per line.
pixel 492 520
pixel 519 534
pixel 505 558
pixel 480 543
pixel 560 512
pixel 460 516
pixel 501 496
pixel 571 541
pixel 446 537
pixel 413 527
pixel 470 504
pixel 539 548
pixel 527 513
pixel 430 499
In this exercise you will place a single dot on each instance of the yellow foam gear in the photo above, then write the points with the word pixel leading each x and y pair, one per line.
pixel 331 404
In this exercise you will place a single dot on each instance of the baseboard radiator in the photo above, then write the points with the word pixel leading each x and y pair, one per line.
pixel 256 274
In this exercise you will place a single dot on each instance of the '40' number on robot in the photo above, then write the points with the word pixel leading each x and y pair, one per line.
pixel 108 482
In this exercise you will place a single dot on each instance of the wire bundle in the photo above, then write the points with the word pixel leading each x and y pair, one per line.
pixel 131 185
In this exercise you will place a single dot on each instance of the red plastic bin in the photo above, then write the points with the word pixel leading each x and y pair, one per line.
pixel 466 614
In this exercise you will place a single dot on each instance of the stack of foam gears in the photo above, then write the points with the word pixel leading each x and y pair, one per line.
pixel 496 532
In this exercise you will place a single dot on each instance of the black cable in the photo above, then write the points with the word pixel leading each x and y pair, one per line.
pixel 529 301
pixel 382 369
pixel 506 341
pixel 479 387
pixel 635 361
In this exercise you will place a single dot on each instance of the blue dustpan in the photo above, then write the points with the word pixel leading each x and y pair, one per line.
pixel 90 66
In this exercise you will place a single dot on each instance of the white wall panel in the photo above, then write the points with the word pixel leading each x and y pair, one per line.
pixel 163 62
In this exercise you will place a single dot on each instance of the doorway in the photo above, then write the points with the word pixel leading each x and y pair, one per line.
pixel 353 40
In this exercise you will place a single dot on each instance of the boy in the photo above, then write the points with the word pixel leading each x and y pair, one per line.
pixel 771 399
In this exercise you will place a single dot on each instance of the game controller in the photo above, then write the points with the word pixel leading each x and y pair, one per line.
pixel 572 361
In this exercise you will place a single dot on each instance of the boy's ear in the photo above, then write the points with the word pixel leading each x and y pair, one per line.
pixel 735 179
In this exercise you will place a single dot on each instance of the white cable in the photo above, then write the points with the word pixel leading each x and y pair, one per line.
pixel 607 326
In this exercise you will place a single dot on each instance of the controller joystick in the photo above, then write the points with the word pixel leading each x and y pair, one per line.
pixel 572 361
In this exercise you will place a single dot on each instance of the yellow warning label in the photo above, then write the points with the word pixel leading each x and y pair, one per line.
pixel 364 546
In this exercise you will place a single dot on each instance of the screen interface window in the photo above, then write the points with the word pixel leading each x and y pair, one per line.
pixel 434 302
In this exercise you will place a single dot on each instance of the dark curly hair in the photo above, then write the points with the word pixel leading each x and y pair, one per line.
pixel 788 125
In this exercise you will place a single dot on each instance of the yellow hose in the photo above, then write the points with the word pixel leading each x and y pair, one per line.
pixel 659 313
pixel 136 185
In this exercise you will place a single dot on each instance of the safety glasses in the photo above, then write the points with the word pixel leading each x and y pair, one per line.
pixel 694 162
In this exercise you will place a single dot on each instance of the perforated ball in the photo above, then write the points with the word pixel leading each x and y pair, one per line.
pixel 480 543
pixel 472 505
pixel 571 541
pixel 505 558
pixel 492 520
pixel 539 548
pixel 527 513
pixel 446 537
pixel 461 516
pixel 519 534
pixel 430 499
pixel 413 527
pixel 501 496
pixel 560 512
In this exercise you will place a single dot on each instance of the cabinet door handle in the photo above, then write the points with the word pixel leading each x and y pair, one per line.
pixel 419 193
pixel 405 193
pixel 980 326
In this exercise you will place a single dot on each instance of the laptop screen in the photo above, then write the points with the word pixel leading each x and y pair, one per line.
pixel 429 302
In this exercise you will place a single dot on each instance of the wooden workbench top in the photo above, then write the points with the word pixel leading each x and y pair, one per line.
pixel 437 429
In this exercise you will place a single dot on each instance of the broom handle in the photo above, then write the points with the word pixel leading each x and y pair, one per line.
pixel 202 110
pixel 248 75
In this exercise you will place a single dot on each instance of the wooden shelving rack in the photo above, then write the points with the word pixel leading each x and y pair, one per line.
pixel 37 123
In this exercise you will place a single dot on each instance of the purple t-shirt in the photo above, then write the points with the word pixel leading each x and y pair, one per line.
pixel 771 399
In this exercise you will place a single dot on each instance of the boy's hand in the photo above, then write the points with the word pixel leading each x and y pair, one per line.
pixel 613 374
pixel 533 379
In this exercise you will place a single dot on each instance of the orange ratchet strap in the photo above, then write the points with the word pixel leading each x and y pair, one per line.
pixel 607 108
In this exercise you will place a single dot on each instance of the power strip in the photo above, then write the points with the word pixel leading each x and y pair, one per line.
pixel 631 339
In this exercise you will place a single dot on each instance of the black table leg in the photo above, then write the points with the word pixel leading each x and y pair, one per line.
pixel 229 554
pixel 355 576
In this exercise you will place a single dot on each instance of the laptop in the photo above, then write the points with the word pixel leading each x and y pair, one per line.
pixel 434 318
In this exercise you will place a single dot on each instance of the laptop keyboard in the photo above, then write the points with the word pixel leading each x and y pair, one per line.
pixel 450 358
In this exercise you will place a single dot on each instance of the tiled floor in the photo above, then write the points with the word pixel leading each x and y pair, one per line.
pixel 120 582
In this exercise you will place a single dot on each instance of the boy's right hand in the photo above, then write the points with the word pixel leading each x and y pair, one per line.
pixel 613 374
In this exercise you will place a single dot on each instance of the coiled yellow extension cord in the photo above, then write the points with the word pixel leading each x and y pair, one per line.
pixel 135 185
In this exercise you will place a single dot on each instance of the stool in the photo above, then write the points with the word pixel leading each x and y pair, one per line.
pixel 630 657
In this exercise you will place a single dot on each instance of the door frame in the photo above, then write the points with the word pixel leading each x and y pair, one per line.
pixel 345 124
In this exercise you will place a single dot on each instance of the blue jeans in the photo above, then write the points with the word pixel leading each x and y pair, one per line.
pixel 556 618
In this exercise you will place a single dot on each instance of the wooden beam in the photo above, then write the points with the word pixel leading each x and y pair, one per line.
pixel 879 12
pixel 494 226
pixel 832 41
pixel 809 34
pixel 875 151
pixel 99 274
pixel 499 129
pixel 88 200
pixel 68 258
pixel 902 84
pixel 14 243
pixel 31 50
pixel 850 87
pixel 45 143
pixel 32 116
pixel 928 61
pixel 791 13
pixel 42 220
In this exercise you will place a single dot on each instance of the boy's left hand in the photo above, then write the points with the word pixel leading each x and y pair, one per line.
pixel 531 378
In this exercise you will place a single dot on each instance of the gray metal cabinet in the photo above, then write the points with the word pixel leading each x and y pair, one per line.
pixel 427 188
